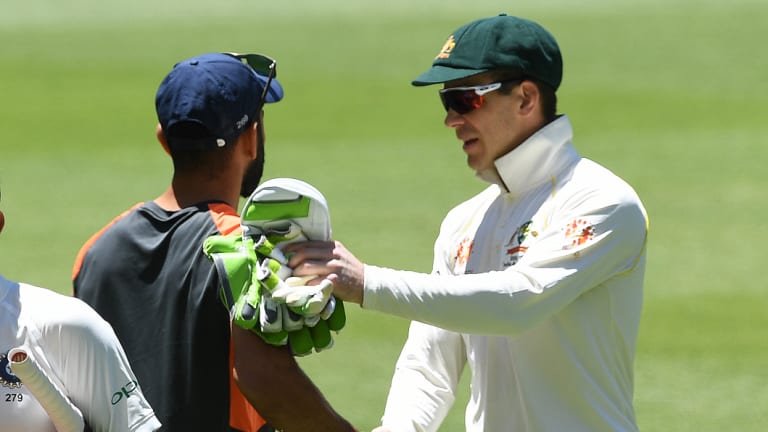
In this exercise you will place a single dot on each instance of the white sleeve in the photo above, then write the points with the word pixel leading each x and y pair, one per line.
pixel 556 269
pixel 93 369
pixel 425 380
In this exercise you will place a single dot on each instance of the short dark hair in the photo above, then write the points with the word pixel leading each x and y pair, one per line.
pixel 190 159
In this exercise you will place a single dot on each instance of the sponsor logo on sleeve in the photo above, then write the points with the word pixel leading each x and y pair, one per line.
pixel 125 392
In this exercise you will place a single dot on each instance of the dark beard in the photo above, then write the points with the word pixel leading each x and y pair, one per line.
pixel 255 170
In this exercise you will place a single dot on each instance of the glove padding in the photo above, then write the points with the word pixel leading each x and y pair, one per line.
pixel 283 211
pixel 256 283
pixel 240 287
pixel 245 289
pixel 308 301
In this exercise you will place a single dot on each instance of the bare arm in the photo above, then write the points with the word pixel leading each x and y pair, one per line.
pixel 272 381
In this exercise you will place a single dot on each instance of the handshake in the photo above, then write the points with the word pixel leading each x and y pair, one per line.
pixel 257 286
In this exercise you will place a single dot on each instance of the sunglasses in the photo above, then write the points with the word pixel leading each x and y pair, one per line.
pixel 262 65
pixel 469 98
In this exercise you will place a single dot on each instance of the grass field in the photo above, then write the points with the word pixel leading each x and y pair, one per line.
pixel 670 95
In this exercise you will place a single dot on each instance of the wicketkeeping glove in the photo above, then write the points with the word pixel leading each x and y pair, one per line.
pixel 256 284
pixel 241 289
pixel 279 212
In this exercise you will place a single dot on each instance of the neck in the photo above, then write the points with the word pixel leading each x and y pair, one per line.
pixel 185 192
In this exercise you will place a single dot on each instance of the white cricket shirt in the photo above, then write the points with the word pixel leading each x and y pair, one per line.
pixel 537 287
pixel 81 354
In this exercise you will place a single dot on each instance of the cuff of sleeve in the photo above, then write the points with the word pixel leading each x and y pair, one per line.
pixel 385 289
pixel 372 285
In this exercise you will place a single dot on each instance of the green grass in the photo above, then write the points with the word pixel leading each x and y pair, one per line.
pixel 670 95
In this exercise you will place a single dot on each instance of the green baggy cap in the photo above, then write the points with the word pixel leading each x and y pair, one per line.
pixel 499 42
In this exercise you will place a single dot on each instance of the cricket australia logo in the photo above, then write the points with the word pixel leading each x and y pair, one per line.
pixel 7 378
pixel 578 232
pixel 461 257
pixel 445 52
pixel 514 249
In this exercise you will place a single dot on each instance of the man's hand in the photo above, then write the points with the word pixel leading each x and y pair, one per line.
pixel 307 313
pixel 332 261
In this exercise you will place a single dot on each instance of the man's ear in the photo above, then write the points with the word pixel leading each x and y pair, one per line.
pixel 255 169
pixel 161 137
pixel 530 97
pixel 253 141
pixel 2 221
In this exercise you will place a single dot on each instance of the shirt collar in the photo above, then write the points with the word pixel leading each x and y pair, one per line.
pixel 544 156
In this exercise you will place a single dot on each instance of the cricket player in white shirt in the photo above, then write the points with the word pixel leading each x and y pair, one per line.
pixel 537 282
pixel 76 375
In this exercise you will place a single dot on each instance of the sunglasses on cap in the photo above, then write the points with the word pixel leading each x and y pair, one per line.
pixel 262 65
pixel 469 98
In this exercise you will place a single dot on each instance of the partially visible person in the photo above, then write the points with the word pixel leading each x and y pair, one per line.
pixel 146 273
pixel 537 281
pixel 78 351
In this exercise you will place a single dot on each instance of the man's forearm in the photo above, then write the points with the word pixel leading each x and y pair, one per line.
pixel 272 381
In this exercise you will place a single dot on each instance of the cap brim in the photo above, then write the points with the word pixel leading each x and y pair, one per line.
pixel 442 74
pixel 275 92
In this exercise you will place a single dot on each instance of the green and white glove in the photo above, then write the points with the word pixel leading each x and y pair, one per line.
pixel 313 301
pixel 279 212
pixel 241 288
pixel 256 284
pixel 246 286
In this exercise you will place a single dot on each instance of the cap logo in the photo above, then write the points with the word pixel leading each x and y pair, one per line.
pixel 445 52
pixel 240 123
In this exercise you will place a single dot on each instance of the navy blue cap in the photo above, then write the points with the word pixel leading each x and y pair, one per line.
pixel 216 92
